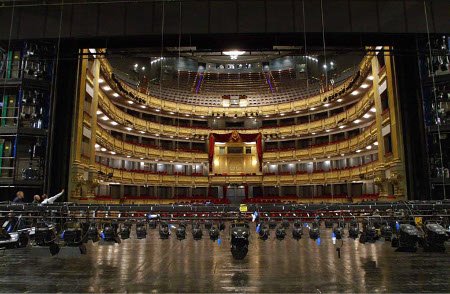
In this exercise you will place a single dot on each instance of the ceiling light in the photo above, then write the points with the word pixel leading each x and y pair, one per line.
pixel 326 105
pixel 373 109
pixel 339 100
pixel 105 118
pixel 128 128
pixel 103 149
pixel 97 146
pixel 202 116
pixel 101 81
pixel 171 112
pixel 282 114
pixel 107 88
pixel 136 65
pixel 366 115
pixel 171 161
pixel 142 158
pixel 128 156
pixel 341 127
pixel 342 154
pixel 325 66
pixel 312 108
pixel 354 93
pixel 157 109
pixel 143 68
pixel 370 78
pixel 375 143
pixel 113 153
pixel 143 106
pixel 187 114
pixel 357 151
pixel 327 131
pixel 313 133
pixel 114 123
pixel 142 132
pixel 266 115
pixel 369 147
pixel 157 135
pixel 233 53
pixel 171 137
pixel 130 102
pixel 115 95
pixel 187 138
pixel 298 111
pixel 357 121
pixel 364 86
pixel 99 112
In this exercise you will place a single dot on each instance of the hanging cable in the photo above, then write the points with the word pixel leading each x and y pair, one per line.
pixel 438 123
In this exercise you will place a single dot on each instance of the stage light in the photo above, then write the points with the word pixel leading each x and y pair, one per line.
pixel 375 143
pixel 114 123
pixel 125 232
pixel 357 121
pixel 197 232
pixel 99 112
pixel 214 233
pixel 285 224
pixel 314 230
pixel 328 224
pixel 339 100
pixel 240 233
pixel 109 233
pixel 280 232
pixel 107 88
pixel 44 234
pixel 369 233
pixel 312 108
pixel 115 95
pixel 181 232
pixel 130 102
pixel 208 225
pixel 366 115
pixel 92 233
pixel 435 237
pixel 338 232
pixel 164 231
pixel 370 78
pixel 128 128
pixel 341 127
pixel 373 109
pixel 353 230
pixel 72 234
pixel 297 230
pixel 364 86
pixel 233 53
pixel 272 224
pixel 354 93
pixel 263 231
pixel 406 238
pixel 101 81
pixel 386 232
pixel 141 230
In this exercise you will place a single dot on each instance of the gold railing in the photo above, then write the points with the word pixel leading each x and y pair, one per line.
pixel 124 148
pixel 300 104
pixel 125 119
pixel 334 149
pixel 334 176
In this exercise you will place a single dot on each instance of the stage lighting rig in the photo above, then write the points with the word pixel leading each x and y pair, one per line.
pixel 297 230
pixel 164 231
pixel 314 230
pixel 181 231
pixel 285 224
pixel 353 230
pixel 435 237
pixel 240 232
pixel 141 230
pixel 407 238
pixel 72 234
pixel 214 233
pixel 272 224
pixel 263 231
pixel 197 232
pixel 91 232
pixel 125 230
pixel 280 232
pixel 45 235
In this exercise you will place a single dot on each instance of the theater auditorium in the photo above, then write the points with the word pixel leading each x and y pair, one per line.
pixel 224 146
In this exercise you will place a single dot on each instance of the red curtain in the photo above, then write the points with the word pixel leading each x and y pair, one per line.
pixel 228 137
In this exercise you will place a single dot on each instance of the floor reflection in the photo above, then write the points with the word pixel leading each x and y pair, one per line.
pixel 154 265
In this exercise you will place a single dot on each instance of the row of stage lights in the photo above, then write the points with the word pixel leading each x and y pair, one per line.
pixel 404 236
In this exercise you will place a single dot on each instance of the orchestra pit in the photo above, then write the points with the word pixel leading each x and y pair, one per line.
pixel 224 146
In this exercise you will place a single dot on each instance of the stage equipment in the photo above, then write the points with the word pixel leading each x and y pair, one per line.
pixel 141 230
pixel 197 232
pixel 263 231
pixel 12 235
pixel 386 232
pixel 214 233
pixel 72 234
pixel 369 233
pixel 272 224
pixel 297 230
pixel 435 236
pixel 92 232
pixel 125 230
pixel 222 226
pixel 285 224
pixel 407 238
pixel 240 232
pixel 109 233
pixel 328 224
pixel 280 232
pixel 338 232
pixel 164 231
pixel 353 230
pixel 208 225
pixel 314 230
pixel 181 231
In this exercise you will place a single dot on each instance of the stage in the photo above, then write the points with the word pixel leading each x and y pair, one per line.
pixel 154 265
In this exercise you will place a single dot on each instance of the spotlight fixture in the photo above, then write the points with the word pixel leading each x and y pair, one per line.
pixel 263 231
pixel 435 236
pixel 208 225
pixel 72 234
pixel 197 232
pixel 328 224
pixel 164 232
pixel 280 232
pixel 338 231
pixel 369 233
pixel 285 224
pixel 181 232
pixel 214 233
pixel 92 233
pixel 297 230
pixel 386 232
pixel 272 224
pixel 141 230
pixel 126 231
pixel 314 230
pixel 353 230
pixel 406 238
pixel 240 232
pixel 109 233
